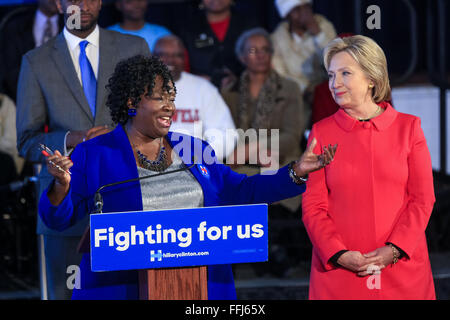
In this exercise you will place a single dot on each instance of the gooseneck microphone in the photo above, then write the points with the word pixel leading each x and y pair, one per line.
pixel 98 199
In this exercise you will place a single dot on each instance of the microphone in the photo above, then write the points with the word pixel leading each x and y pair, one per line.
pixel 98 199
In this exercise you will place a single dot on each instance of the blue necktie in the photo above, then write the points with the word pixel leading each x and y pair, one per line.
pixel 88 77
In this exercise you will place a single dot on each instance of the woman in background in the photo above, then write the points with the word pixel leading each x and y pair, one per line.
pixel 262 99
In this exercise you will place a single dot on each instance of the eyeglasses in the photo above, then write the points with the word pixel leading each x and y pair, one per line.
pixel 254 51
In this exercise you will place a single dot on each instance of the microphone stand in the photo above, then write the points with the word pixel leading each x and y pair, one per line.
pixel 98 199
pixel 83 245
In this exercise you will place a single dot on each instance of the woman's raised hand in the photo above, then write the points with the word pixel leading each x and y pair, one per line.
pixel 58 166
pixel 309 161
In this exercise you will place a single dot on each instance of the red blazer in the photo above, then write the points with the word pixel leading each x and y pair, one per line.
pixel 378 189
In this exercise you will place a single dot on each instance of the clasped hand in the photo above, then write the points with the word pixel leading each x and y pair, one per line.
pixel 362 264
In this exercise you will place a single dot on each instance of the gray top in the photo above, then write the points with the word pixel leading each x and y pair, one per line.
pixel 171 191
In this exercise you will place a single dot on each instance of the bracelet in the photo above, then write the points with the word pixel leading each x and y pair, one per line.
pixel 296 179
pixel 395 253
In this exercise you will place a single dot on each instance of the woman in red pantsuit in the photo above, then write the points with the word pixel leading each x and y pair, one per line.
pixel 367 211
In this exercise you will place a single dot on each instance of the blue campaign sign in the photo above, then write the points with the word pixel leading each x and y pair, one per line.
pixel 179 238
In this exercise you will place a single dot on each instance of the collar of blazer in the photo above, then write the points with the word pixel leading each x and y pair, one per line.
pixel 61 56
pixel 381 122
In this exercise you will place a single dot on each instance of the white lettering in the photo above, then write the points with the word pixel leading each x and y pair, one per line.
pixel 196 310
pixel 374 21
pixel 123 241
pixel 185 236
pixel 374 281
pixel 149 233
pixel 152 235
pixel 157 234
pixel 111 236
pixel 166 233
pixel 243 235
pixel 98 236
pixel 201 230
pixel 74 17
pixel 214 233
pixel 225 230
pixel 257 231
pixel 74 280
pixel 135 233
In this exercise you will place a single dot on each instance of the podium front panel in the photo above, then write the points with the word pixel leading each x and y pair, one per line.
pixel 179 238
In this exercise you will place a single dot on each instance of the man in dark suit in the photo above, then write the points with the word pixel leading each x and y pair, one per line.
pixel 62 85
pixel 25 29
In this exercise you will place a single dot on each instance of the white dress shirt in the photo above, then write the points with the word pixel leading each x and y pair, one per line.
pixel 92 49
pixel 92 53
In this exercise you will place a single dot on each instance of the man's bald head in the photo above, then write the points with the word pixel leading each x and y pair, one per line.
pixel 171 50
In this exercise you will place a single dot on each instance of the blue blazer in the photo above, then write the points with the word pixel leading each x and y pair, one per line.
pixel 109 158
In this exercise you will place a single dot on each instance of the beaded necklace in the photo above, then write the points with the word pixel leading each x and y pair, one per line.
pixel 158 165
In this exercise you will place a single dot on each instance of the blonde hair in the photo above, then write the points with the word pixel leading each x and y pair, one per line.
pixel 370 57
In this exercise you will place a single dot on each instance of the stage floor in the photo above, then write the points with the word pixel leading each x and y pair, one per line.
pixel 293 285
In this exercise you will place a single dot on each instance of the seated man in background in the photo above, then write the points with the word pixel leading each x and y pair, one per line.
pixel 133 15
pixel 298 44
pixel 201 111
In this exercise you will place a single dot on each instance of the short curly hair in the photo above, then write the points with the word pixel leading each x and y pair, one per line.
pixel 132 78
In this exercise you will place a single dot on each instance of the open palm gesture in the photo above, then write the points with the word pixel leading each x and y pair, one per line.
pixel 310 161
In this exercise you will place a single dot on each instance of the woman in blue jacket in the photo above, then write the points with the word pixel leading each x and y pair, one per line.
pixel 141 102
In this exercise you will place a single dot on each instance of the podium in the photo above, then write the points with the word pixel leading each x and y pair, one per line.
pixel 174 284
pixel 155 244
pixel 188 283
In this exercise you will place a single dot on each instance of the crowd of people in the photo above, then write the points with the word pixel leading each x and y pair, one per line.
pixel 228 73
pixel 209 45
